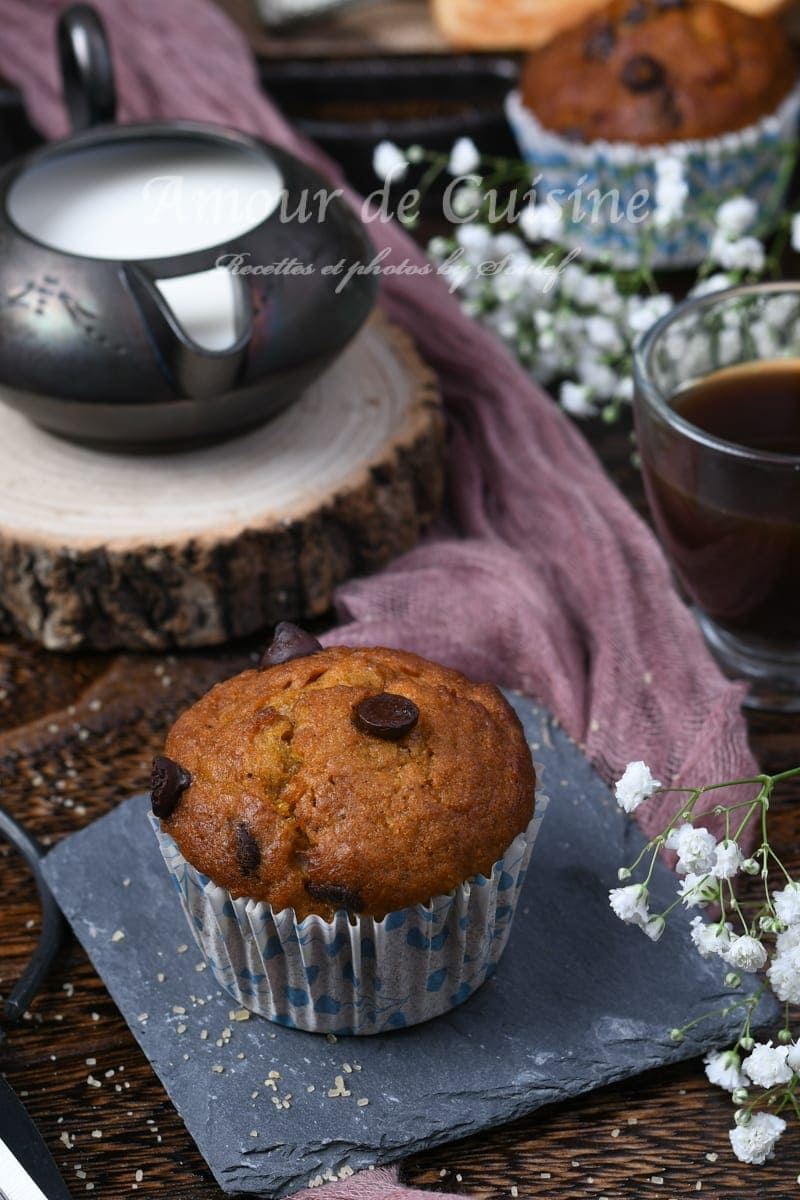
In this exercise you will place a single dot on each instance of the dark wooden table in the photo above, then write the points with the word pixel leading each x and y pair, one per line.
pixel 76 737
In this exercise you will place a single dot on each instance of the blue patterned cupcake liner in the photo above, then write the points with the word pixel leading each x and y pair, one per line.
pixel 747 162
pixel 354 975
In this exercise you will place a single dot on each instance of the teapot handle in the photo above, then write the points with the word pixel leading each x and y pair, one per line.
pixel 87 70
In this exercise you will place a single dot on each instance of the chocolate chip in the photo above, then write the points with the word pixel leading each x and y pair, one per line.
pixel 386 716
pixel 335 894
pixel 168 782
pixel 666 5
pixel 248 854
pixel 289 642
pixel 600 42
pixel 643 74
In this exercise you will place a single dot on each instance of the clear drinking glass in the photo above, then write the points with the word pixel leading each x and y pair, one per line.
pixel 728 510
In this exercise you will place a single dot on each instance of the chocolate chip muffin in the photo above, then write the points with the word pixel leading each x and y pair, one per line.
pixel 361 779
pixel 657 71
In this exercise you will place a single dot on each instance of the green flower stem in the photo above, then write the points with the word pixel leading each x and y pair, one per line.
pixel 675 904
pixel 761 801
pixel 777 862
pixel 748 1002
pixel 773 779
pixel 736 909
pixel 719 809
pixel 751 1003
pixel 767 1097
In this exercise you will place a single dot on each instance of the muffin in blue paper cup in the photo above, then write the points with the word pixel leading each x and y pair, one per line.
pixel 348 831
pixel 693 81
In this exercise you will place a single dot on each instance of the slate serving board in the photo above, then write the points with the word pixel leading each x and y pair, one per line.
pixel 579 1000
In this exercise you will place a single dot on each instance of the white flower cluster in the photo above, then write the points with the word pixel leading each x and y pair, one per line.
pixel 630 905
pixel 672 191
pixel 575 327
pixel 707 866
pixel 784 970
pixel 636 785
pixel 565 324
pixel 732 247
pixel 770 1067
pixel 389 162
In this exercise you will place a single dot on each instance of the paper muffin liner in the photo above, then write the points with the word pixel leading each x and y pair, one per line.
pixel 354 975
pixel 747 162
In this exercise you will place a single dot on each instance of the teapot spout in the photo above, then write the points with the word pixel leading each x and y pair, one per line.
pixel 202 353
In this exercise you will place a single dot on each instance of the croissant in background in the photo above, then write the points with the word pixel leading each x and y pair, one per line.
pixel 526 24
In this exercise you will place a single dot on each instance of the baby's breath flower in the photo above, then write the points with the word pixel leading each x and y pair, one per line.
pixel 711 940
pixel 696 891
pixel 576 399
pixel 389 162
pixel 793 1057
pixel 654 927
pixel 746 953
pixel 744 254
pixel 439 247
pixel 784 975
pixel 788 940
pixel 723 1068
pixel 766 1066
pixel 728 860
pixel 476 238
pixel 541 222
pixel 671 191
pixel 736 216
pixel 696 849
pixel 796 232
pixel 755 1142
pixel 644 311
pixel 635 786
pixel 598 376
pixel 464 157
pixel 630 904
pixel 604 334
pixel 466 202
pixel 787 904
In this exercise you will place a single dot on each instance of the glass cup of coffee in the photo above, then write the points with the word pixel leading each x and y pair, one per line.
pixel 717 408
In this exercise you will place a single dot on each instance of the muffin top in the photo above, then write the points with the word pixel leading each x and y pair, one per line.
pixel 655 71
pixel 363 779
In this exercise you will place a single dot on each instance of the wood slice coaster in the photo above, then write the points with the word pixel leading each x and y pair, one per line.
pixel 105 550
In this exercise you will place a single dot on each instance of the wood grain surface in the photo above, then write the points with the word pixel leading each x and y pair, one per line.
pixel 76 737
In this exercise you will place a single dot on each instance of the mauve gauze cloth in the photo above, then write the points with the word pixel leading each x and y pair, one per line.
pixel 542 577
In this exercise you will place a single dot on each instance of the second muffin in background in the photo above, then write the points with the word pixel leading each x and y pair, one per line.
pixel 349 831
pixel 641 80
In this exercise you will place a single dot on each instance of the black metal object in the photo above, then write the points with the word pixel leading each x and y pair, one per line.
pixel 86 67
pixel 90 349
pixel 53 925
pixel 23 1139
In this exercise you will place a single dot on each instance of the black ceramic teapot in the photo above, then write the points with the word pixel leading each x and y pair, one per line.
pixel 170 282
